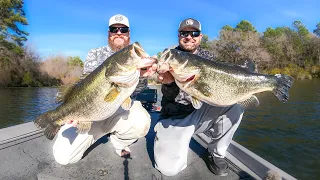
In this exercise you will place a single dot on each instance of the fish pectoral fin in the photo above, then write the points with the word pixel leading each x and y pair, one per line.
pixel 126 105
pixel 196 103
pixel 83 127
pixel 112 95
pixel 252 102
pixel 63 93
pixel 126 80
pixel 66 91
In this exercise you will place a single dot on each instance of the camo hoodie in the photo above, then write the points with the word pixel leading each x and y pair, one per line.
pixel 97 56
pixel 175 102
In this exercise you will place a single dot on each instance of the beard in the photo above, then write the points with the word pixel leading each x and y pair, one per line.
pixel 117 47
pixel 188 48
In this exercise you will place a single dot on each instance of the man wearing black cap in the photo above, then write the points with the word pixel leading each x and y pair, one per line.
pixel 179 121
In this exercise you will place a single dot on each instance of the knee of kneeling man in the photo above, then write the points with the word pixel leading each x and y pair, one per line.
pixel 64 158
pixel 144 127
pixel 142 123
pixel 61 159
pixel 169 169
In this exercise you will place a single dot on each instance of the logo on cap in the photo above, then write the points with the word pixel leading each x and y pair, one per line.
pixel 189 22
pixel 118 18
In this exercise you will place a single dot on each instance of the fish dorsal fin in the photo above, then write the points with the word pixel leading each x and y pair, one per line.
pixel 196 103
pixel 126 105
pixel 252 102
pixel 248 64
pixel 63 93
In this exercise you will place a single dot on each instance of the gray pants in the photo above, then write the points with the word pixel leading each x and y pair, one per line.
pixel 173 135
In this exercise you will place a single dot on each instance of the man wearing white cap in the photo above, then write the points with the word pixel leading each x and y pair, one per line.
pixel 131 125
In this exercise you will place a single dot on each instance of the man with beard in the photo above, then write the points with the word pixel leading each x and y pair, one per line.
pixel 131 125
pixel 179 121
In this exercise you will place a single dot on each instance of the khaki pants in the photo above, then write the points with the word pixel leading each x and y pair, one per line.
pixel 126 127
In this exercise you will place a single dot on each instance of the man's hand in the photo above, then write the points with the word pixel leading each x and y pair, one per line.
pixel 165 78
pixel 150 70
pixel 74 123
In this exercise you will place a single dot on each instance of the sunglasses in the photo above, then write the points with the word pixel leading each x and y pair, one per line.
pixel 191 33
pixel 116 29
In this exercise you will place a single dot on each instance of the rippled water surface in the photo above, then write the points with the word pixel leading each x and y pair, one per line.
pixel 287 135
pixel 19 105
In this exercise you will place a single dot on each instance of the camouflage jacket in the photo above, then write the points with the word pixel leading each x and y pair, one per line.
pixel 97 56
pixel 175 102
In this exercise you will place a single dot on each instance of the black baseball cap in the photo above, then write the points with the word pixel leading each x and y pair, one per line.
pixel 190 22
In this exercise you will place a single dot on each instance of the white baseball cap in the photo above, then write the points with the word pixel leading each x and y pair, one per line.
pixel 119 19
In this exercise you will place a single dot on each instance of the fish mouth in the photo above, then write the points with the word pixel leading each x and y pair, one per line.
pixel 138 51
pixel 163 65
pixel 165 54
pixel 187 81
pixel 144 59
pixel 184 75
pixel 186 78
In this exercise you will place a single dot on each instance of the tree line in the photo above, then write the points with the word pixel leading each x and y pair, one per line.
pixel 289 50
pixel 19 64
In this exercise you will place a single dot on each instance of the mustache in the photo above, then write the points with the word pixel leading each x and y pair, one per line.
pixel 189 40
pixel 118 35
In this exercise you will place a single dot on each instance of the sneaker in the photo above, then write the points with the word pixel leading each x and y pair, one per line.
pixel 216 165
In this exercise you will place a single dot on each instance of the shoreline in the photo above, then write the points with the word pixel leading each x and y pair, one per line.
pixel 152 84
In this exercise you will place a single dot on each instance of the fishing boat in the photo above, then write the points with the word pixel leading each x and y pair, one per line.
pixel 26 153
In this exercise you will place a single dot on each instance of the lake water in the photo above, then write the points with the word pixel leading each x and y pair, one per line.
pixel 287 135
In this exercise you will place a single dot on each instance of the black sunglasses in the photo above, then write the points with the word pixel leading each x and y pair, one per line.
pixel 116 29
pixel 192 33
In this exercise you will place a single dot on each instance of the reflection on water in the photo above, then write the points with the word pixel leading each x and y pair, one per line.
pixel 287 135
pixel 19 105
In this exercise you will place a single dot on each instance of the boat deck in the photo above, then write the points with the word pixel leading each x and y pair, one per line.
pixel 28 155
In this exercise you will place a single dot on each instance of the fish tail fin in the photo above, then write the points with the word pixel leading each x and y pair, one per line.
pixel 51 130
pixel 42 121
pixel 283 83
pixel 45 121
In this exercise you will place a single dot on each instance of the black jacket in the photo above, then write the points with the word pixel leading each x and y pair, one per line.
pixel 170 108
